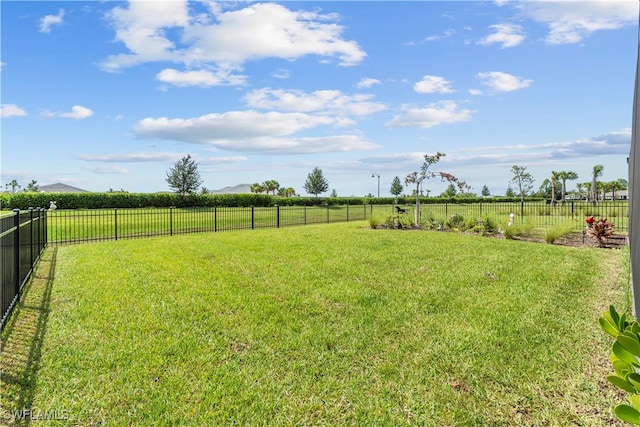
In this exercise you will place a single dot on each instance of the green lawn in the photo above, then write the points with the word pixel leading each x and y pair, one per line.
pixel 333 324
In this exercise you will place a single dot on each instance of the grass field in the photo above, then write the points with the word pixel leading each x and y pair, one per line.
pixel 333 324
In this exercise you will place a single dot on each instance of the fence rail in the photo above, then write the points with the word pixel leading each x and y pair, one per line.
pixel 23 237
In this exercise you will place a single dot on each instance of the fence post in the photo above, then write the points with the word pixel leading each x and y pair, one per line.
pixel 446 209
pixel 521 209
pixel 572 209
pixel 16 250
pixel 215 219
pixel 31 236
pixel 115 222
pixel 277 216
pixel 347 212
pixel 170 220
pixel 39 210
pixel 305 214
pixel 481 209
pixel 45 231
pixel 253 218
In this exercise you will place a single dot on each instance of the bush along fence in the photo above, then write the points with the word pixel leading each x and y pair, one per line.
pixel 23 237
pixel 77 226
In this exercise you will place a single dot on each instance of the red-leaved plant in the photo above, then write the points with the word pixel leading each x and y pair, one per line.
pixel 599 229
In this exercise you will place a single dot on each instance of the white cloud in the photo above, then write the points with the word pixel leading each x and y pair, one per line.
pixel 49 20
pixel 142 27
pixel 572 21
pixel 508 35
pixel 408 160
pixel 229 125
pixel 475 92
pixel 306 145
pixel 225 39
pixel 281 73
pixel 2 65
pixel 503 82
pixel 367 82
pixel 320 100
pixel 155 156
pixel 11 110
pixel 446 34
pixel 251 131
pixel 78 112
pixel 611 143
pixel 132 157
pixel 109 170
pixel 444 112
pixel 203 78
pixel 433 84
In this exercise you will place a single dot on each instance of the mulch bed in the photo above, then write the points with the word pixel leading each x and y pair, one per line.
pixel 576 240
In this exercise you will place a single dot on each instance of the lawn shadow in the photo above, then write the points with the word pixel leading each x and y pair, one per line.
pixel 21 345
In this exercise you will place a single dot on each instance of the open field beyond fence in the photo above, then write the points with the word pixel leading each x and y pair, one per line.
pixel 333 324
pixel 72 226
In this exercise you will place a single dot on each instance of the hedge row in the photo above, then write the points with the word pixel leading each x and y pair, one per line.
pixel 24 200
pixel 129 200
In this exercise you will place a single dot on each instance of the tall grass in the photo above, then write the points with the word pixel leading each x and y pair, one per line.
pixel 557 231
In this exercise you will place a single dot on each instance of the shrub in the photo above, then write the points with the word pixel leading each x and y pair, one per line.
pixel 599 230
pixel 23 200
pixel 455 222
pixel 374 222
pixel 625 352
pixel 398 221
pixel 490 224
pixel 556 231
pixel 472 224
pixel 516 230
pixel 429 221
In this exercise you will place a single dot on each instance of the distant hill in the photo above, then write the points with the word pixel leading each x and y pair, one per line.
pixel 236 189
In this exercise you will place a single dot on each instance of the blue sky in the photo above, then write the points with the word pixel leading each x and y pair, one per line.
pixel 109 95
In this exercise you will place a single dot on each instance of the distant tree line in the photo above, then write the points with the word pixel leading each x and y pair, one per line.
pixel 184 179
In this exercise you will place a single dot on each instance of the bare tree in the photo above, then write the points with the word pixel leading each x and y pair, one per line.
pixel 417 178
pixel 523 180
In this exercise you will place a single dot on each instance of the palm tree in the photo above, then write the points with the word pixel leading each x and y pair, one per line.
pixel 583 189
pixel 620 184
pixel 564 176
pixel 271 186
pixel 256 188
pixel 597 173
pixel 554 181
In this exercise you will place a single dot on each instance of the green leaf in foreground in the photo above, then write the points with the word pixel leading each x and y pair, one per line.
pixel 608 327
pixel 628 413
pixel 630 344
pixel 621 383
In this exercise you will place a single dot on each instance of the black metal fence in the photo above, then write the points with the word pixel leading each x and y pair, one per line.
pixel 77 226
pixel 23 237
